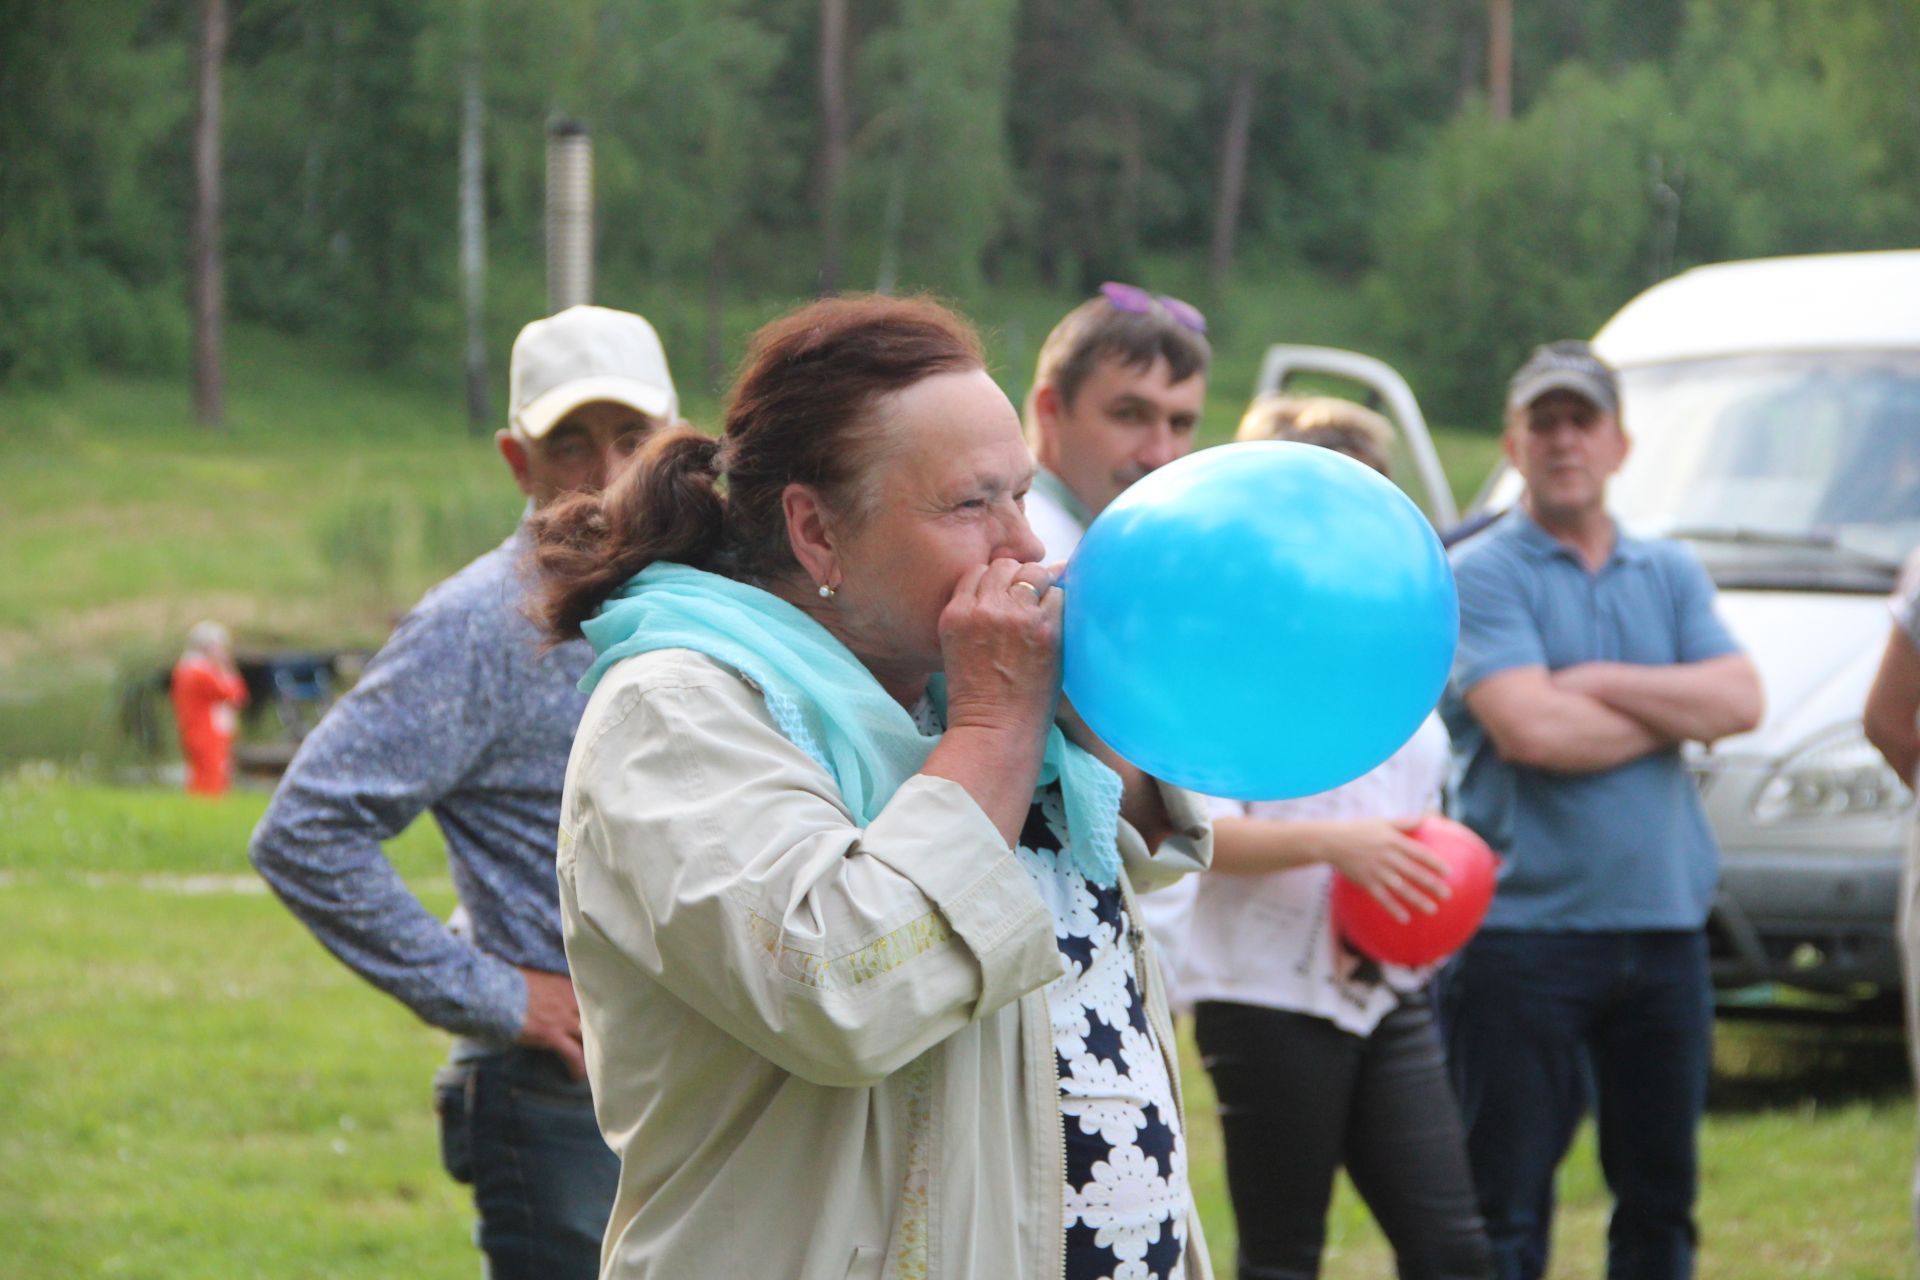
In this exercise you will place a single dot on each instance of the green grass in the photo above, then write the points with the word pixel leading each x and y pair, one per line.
pixel 191 1088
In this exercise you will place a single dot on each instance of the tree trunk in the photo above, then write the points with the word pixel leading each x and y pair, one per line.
pixel 893 215
pixel 1123 262
pixel 1233 175
pixel 833 141
pixel 473 228
pixel 209 391
pixel 1500 59
pixel 716 344
pixel 1122 254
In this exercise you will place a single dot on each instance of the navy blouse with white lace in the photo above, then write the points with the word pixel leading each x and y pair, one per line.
pixel 1126 1192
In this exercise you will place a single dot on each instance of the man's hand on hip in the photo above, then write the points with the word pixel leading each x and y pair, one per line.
pixel 553 1019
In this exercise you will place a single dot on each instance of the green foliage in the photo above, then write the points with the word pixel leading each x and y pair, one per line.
pixel 341 162
pixel 932 177
pixel 1863 54
pixel 1059 141
pixel 1338 88
pixel 1106 93
pixel 1502 236
pixel 1495 237
pixel 1769 160
pixel 90 117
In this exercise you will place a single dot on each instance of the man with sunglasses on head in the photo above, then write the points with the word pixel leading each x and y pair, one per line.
pixel 463 715
pixel 1116 394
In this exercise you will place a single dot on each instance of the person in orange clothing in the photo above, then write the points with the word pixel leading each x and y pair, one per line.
pixel 207 696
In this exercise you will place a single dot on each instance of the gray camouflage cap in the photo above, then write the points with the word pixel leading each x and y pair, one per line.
pixel 1564 366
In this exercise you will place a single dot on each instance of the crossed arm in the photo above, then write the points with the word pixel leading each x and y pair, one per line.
pixel 1598 715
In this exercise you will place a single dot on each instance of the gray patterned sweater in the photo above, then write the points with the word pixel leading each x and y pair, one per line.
pixel 459 715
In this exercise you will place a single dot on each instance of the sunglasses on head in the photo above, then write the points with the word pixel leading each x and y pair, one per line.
pixel 1132 298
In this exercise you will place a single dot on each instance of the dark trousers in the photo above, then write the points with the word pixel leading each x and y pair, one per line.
pixel 1299 1098
pixel 522 1132
pixel 1537 1022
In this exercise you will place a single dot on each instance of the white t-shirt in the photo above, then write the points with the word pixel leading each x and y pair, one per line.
pixel 1055 526
pixel 1269 940
pixel 1163 912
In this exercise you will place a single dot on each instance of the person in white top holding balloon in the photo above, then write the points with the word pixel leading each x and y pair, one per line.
pixel 1322 1058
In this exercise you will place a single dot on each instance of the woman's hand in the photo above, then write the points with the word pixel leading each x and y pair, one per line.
pixel 1000 641
pixel 1378 855
pixel 1000 638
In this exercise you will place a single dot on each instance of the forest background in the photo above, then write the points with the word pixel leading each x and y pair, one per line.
pixel 762 150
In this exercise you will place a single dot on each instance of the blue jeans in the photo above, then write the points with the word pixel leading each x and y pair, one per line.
pixel 522 1132
pixel 1531 1015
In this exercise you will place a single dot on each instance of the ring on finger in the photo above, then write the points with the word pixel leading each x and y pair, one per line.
pixel 1029 586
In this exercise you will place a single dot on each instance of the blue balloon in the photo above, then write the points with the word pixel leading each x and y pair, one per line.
pixel 1259 621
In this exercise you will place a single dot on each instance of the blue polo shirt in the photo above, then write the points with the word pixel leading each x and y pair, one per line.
pixel 1624 849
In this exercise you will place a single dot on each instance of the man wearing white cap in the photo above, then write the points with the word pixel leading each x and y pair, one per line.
pixel 463 716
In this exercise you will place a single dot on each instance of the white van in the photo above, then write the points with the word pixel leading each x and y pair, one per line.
pixel 1774 409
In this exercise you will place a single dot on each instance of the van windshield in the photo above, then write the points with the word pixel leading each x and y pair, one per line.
pixel 1813 450
pixel 1800 469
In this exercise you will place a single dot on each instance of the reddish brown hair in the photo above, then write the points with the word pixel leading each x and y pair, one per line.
pixel 800 412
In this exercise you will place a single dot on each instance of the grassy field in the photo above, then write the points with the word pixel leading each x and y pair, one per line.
pixel 335 496
pixel 193 1089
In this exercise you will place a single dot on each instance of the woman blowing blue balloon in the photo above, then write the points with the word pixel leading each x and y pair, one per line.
pixel 849 917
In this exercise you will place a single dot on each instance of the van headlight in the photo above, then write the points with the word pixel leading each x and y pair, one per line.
pixel 1838 775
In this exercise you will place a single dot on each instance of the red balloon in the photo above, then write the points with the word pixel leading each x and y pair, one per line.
pixel 1424 939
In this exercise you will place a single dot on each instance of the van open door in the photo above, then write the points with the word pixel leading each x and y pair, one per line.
pixel 1383 390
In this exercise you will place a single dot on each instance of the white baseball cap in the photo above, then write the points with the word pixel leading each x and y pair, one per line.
pixel 582 355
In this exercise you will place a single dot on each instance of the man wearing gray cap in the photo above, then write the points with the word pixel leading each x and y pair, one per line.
pixel 463 716
pixel 1587 657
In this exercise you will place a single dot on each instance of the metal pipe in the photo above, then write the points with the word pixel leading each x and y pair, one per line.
pixel 569 214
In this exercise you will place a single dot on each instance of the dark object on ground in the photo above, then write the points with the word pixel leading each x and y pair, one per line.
pixel 289 690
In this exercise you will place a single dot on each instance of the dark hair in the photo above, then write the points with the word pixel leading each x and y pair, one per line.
pixel 1096 330
pixel 800 412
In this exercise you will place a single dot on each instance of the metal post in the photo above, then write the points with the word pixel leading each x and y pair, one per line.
pixel 569 214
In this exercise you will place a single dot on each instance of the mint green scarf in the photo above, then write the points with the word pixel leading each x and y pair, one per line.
pixel 825 700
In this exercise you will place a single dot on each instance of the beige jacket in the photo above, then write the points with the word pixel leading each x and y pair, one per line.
pixel 821 1052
